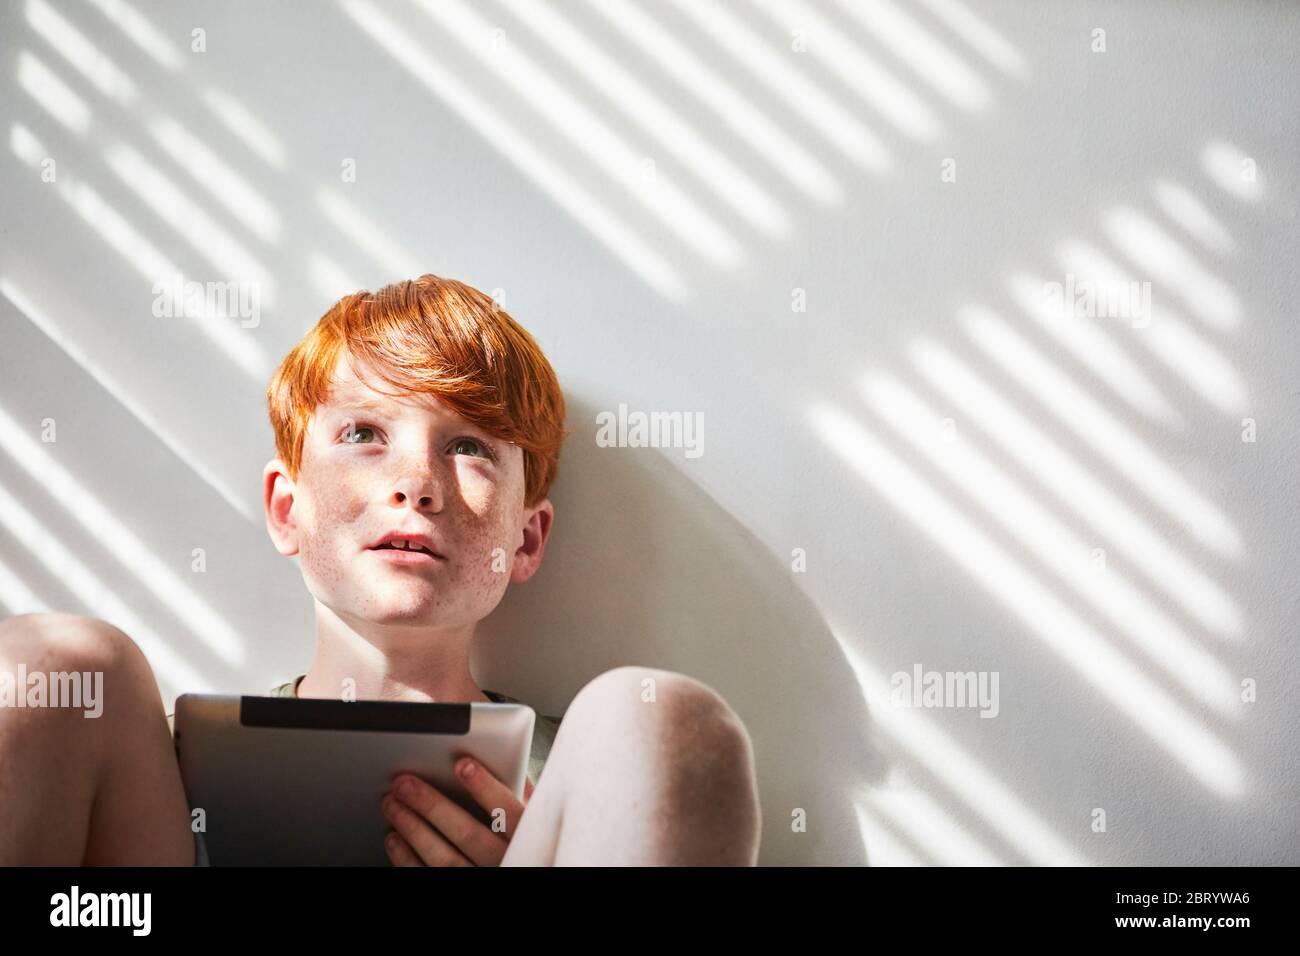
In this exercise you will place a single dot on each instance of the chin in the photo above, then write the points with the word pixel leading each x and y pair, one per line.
pixel 412 617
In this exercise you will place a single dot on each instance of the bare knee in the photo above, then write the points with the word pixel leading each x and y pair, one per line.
pixel 76 638
pixel 681 701
pixel 57 642
pixel 699 752
pixel 690 722
pixel 622 685
pixel 99 791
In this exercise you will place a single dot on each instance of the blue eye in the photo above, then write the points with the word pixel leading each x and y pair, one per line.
pixel 351 431
pixel 474 441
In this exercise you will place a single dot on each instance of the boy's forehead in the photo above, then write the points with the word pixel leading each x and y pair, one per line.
pixel 349 390
pixel 345 397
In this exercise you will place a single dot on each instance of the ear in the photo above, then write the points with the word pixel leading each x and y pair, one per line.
pixel 277 499
pixel 537 528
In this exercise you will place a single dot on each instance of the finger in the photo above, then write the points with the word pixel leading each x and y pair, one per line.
pixel 492 795
pixel 484 844
pixel 429 845
pixel 452 822
pixel 400 852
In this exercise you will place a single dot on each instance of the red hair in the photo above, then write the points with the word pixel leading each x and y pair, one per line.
pixel 437 337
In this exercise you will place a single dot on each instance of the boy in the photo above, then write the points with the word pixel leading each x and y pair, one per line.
pixel 417 431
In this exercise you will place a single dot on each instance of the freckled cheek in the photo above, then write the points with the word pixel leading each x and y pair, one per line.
pixel 331 529
pixel 483 574
pixel 486 544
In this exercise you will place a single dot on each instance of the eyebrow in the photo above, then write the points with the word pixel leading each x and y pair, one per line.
pixel 361 405
pixel 379 406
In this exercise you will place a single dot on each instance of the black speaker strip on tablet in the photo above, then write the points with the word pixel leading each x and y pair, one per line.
pixel 393 716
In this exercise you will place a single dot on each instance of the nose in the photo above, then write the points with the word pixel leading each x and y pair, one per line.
pixel 418 490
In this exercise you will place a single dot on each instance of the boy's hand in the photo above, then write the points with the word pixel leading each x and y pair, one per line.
pixel 433 830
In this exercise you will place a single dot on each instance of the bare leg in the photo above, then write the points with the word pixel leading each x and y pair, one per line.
pixel 668 782
pixel 93 791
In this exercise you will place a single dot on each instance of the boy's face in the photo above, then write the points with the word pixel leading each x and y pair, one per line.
pixel 406 464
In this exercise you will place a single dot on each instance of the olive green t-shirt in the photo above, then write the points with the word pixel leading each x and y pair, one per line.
pixel 544 728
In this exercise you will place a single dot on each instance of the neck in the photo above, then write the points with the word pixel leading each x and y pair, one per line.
pixel 390 662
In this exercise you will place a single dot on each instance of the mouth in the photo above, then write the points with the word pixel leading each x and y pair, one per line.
pixel 406 552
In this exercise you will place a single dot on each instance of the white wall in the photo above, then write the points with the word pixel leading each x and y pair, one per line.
pixel 959 546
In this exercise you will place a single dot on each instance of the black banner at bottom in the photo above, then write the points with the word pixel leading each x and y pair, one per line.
pixel 335 906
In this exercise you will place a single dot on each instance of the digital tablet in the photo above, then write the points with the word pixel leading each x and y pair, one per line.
pixel 298 781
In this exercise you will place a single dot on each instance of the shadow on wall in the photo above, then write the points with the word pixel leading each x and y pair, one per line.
pixel 669 579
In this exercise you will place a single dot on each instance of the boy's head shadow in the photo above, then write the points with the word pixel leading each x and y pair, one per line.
pixel 643 567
